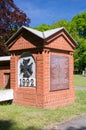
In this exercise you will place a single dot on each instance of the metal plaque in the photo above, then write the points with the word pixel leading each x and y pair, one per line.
pixel 59 72
pixel 26 71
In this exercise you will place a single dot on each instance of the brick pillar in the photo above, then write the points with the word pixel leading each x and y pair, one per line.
pixel 39 79
pixel 13 72
pixel 71 79
pixel 46 75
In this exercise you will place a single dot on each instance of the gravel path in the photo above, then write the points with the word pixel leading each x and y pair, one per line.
pixel 78 123
pixel 80 88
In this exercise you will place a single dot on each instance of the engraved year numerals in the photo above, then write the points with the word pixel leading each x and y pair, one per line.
pixel 26 82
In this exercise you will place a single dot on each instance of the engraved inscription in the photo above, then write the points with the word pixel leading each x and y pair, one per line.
pixel 59 72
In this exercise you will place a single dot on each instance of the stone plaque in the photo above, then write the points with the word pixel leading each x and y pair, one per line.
pixel 26 71
pixel 59 72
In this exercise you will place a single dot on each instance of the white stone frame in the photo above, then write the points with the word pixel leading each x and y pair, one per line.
pixel 32 78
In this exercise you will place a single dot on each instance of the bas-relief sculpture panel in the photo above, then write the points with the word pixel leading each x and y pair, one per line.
pixel 59 72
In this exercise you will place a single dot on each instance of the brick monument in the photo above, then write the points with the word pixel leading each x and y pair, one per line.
pixel 41 67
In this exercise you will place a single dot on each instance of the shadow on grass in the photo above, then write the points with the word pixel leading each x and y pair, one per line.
pixel 9 125
pixel 32 128
pixel 6 124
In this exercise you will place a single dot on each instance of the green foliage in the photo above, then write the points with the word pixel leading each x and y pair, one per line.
pixel 43 27
pixel 80 23
pixel 80 55
pixel 61 23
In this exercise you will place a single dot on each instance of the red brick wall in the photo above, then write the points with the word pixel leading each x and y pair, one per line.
pixel 28 96
pixel 41 96
pixel 60 42
pixel 21 43
pixel 53 99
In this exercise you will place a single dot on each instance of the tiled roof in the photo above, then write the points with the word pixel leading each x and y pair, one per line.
pixel 45 34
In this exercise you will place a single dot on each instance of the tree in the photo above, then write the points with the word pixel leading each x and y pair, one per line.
pixel 43 27
pixel 61 23
pixel 80 23
pixel 11 18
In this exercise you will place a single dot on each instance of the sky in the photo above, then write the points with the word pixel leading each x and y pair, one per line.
pixel 50 11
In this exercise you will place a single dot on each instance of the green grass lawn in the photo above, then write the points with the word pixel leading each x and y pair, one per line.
pixel 80 80
pixel 14 117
